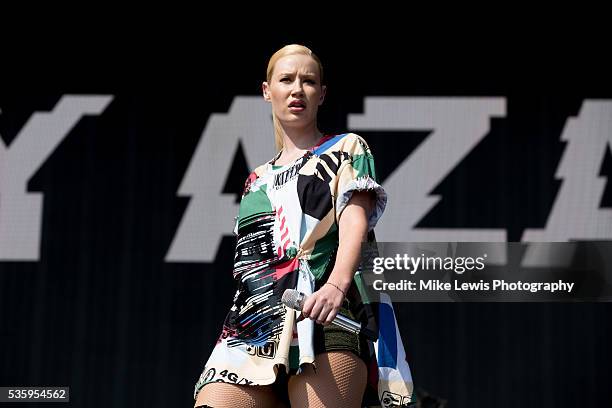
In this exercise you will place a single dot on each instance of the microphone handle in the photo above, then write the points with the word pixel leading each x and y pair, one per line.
pixel 354 327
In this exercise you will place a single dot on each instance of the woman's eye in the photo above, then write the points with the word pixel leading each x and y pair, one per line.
pixel 285 79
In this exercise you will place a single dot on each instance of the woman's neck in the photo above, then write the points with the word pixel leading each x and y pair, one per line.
pixel 296 141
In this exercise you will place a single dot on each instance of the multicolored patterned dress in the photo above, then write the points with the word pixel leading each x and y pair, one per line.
pixel 287 237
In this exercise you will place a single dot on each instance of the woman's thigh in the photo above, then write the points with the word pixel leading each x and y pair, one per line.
pixel 226 395
pixel 339 381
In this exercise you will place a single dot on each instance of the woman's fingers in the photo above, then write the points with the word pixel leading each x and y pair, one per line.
pixel 316 309
pixel 323 314
pixel 320 306
pixel 307 308
pixel 330 317
pixel 325 309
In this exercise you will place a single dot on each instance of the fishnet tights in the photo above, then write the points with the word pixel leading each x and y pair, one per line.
pixel 339 381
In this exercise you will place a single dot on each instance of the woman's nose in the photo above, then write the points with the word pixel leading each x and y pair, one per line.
pixel 297 88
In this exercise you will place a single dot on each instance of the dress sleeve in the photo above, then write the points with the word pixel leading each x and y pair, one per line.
pixel 357 173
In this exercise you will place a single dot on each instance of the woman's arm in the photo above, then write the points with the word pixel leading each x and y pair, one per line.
pixel 325 303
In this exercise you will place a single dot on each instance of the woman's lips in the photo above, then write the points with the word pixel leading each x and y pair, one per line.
pixel 296 108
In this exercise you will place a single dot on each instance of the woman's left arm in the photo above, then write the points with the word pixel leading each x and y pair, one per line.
pixel 324 304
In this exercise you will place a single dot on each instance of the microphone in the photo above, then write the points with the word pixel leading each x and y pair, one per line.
pixel 294 299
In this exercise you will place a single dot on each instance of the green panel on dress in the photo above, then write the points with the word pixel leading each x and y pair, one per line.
pixel 364 165
pixel 322 252
pixel 252 205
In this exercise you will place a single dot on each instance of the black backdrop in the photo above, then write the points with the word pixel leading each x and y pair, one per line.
pixel 101 310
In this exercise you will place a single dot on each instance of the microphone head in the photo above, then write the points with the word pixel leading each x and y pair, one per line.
pixel 293 299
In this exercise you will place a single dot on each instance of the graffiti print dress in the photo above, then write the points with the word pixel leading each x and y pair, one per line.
pixel 287 235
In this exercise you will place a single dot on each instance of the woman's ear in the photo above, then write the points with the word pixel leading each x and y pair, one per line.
pixel 323 91
pixel 266 91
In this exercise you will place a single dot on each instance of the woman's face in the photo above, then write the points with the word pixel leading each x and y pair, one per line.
pixel 295 90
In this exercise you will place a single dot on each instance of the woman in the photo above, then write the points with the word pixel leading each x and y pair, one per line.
pixel 302 219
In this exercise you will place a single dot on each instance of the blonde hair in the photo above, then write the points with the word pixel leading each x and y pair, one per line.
pixel 291 49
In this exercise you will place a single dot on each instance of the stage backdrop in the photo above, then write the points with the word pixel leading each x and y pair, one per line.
pixel 117 206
